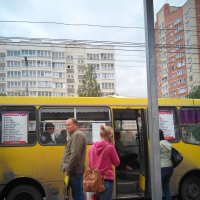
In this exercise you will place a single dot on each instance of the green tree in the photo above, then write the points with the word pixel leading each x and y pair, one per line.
pixel 3 94
pixel 195 93
pixel 89 87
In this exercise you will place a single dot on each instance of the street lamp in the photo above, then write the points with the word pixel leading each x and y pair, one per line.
pixel 26 65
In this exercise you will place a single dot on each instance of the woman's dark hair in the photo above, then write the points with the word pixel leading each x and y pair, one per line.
pixel 161 134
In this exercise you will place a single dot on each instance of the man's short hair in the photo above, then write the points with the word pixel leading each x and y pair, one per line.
pixel 49 125
pixel 74 121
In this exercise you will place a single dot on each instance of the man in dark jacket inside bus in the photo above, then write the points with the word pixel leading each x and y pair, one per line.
pixel 47 137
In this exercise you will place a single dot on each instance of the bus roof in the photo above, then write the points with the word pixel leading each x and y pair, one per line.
pixel 24 100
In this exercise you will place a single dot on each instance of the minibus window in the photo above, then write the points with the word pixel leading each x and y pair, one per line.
pixel 190 125
pixel 17 126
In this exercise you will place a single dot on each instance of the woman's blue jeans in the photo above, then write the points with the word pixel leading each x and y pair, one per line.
pixel 166 173
pixel 107 194
pixel 76 185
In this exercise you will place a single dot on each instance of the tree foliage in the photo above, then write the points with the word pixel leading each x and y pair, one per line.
pixel 89 87
pixel 195 93
pixel 3 94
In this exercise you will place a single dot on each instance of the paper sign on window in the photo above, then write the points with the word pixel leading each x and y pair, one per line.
pixel 96 131
pixel 14 127
pixel 166 123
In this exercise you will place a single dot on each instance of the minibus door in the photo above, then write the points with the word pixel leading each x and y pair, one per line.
pixel 142 145
pixel 128 128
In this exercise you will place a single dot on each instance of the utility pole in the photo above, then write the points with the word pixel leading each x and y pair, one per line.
pixel 156 186
pixel 26 65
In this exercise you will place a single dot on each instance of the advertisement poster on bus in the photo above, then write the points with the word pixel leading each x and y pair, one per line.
pixel 166 123
pixel 14 127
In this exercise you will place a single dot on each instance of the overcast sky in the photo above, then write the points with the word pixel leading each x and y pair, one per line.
pixel 130 62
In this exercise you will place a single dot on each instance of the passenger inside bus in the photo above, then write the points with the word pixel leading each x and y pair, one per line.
pixel 128 160
pixel 86 128
pixel 62 137
pixel 48 136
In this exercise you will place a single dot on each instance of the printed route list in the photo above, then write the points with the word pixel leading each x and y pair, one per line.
pixel 14 127
pixel 166 123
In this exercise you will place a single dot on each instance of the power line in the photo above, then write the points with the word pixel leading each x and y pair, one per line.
pixel 63 41
pixel 68 47
pixel 68 24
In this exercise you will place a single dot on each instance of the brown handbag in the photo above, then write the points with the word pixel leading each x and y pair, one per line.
pixel 92 181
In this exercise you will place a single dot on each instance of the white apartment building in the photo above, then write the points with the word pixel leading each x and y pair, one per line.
pixel 41 67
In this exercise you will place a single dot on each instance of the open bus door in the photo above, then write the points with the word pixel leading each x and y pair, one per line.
pixel 142 143
pixel 130 129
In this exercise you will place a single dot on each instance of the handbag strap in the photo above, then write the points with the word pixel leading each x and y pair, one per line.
pixel 166 147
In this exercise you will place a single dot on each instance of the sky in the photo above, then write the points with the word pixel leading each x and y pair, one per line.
pixel 131 76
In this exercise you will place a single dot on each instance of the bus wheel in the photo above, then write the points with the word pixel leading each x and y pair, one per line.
pixel 190 189
pixel 24 192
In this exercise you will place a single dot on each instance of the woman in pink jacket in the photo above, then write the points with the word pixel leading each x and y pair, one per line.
pixel 103 155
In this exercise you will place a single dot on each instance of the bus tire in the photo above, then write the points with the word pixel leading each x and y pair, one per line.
pixel 25 192
pixel 190 188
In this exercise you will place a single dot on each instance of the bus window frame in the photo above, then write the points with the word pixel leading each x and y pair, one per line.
pixel 15 109
pixel 75 115
pixel 183 140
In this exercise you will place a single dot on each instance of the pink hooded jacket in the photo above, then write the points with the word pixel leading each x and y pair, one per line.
pixel 102 156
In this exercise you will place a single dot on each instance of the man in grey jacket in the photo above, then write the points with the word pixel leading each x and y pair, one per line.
pixel 74 158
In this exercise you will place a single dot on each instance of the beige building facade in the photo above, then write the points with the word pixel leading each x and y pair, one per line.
pixel 38 67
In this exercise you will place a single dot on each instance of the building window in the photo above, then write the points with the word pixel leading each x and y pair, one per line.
pixel 181 72
pixel 58 75
pixel 186 15
pixel 70 67
pixel 181 90
pixel 58 55
pixel 42 53
pixel 187 24
pixel 189 60
pixel 13 74
pixel 44 84
pixel 178 20
pixel 92 56
pixel 80 61
pixel 13 63
pixel 107 56
pixel 29 52
pixel 180 64
pixel 43 63
pixel 13 53
pixel 182 80
pixel 108 85
pixel 14 84
pixel 107 66
pixel 58 65
pixel 180 28
pixel 107 75
pixel 69 58
pixel 94 66
pixel 58 85
pixel 179 37
pixel 180 55
pixel 46 74
pixel 190 78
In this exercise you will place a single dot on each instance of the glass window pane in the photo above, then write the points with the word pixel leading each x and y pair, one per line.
pixel 93 114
